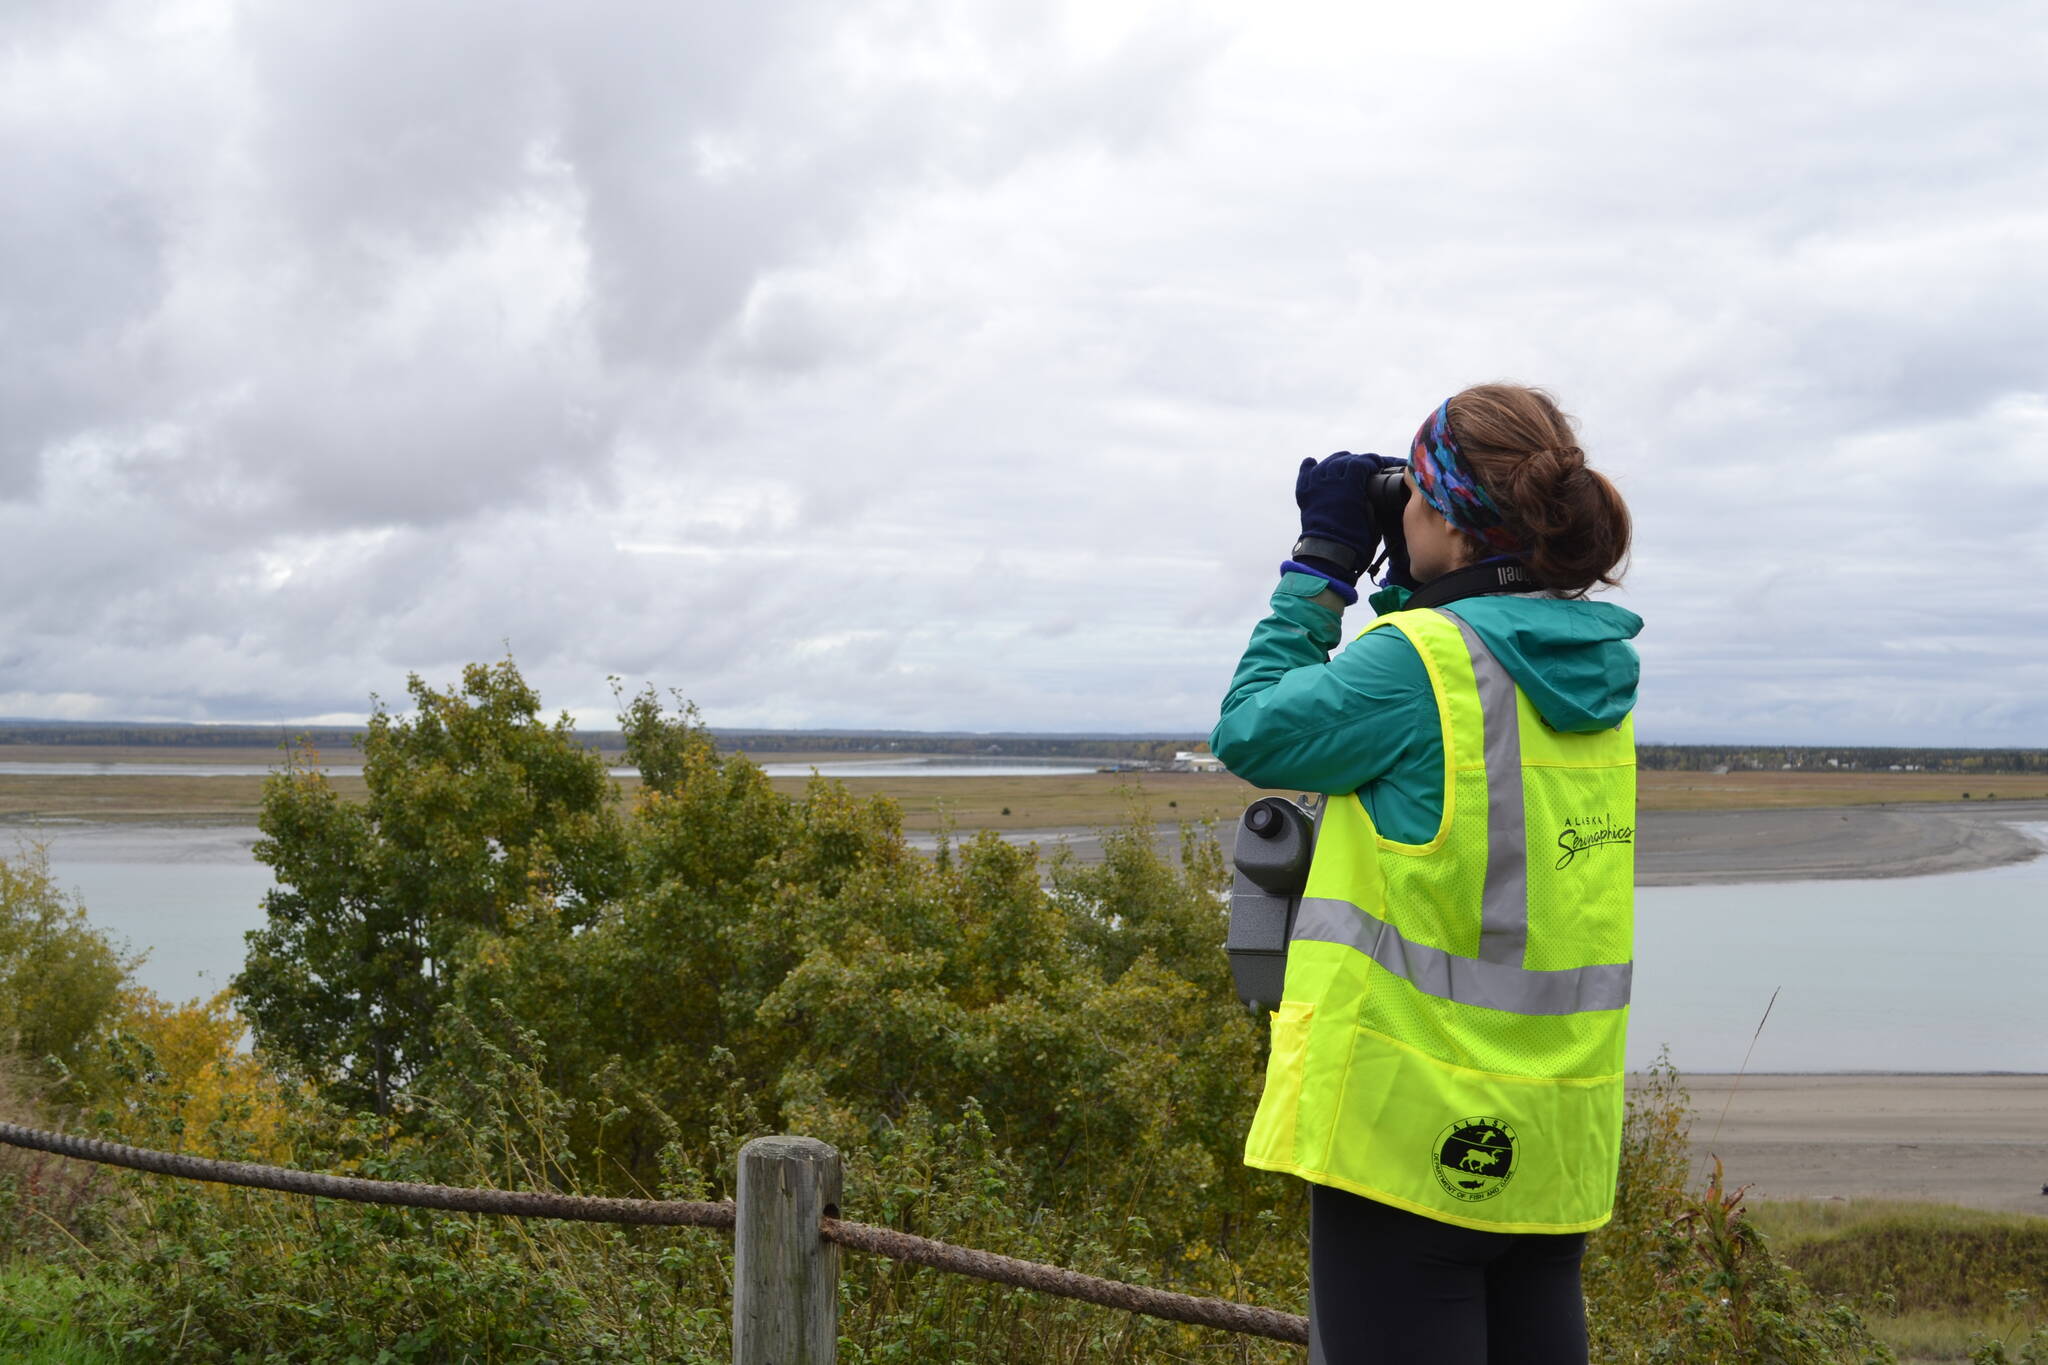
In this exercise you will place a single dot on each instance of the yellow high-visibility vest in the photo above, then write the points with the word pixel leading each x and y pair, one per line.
pixel 1450 1036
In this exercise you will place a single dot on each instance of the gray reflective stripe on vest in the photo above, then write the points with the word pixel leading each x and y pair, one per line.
pixel 1496 979
pixel 1467 980
pixel 1504 904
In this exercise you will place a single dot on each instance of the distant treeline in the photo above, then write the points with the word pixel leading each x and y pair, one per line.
pixel 339 739
pixel 1144 748
pixel 82 734
pixel 1836 758
pixel 1129 748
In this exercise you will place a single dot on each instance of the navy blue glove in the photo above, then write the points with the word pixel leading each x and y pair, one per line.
pixel 1331 495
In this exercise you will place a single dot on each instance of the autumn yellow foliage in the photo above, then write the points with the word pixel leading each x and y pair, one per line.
pixel 203 1072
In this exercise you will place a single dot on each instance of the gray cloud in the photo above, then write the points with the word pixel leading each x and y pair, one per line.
pixel 895 365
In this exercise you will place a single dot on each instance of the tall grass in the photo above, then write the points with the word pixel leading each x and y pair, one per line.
pixel 39 1324
pixel 1938 1282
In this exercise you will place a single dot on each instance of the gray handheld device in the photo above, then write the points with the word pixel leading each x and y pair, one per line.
pixel 1276 838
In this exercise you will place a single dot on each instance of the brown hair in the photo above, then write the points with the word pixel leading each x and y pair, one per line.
pixel 1521 447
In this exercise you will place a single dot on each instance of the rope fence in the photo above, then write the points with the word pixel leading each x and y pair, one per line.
pixel 1070 1284
pixel 796 1233
pixel 451 1198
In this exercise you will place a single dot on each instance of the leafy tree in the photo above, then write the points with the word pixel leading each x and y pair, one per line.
pixel 801 950
pixel 60 978
pixel 482 818
pixel 647 992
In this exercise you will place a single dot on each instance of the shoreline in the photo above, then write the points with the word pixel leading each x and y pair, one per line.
pixel 1674 848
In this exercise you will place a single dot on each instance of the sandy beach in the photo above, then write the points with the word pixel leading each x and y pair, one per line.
pixel 1980 1141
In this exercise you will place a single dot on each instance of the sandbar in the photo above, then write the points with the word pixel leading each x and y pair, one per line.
pixel 1979 1141
pixel 1682 848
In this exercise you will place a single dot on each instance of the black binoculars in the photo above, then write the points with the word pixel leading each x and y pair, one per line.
pixel 1386 493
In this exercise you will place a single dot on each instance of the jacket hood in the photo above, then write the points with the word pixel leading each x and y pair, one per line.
pixel 1571 656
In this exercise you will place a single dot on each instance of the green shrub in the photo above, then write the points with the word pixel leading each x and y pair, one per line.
pixel 60 984
pixel 1684 1275
pixel 214 1274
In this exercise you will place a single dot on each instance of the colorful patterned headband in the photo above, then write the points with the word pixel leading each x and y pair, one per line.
pixel 1448 485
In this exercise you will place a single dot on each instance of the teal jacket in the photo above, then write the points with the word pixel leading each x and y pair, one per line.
pixel 1365 721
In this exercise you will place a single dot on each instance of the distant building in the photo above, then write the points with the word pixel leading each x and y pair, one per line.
pixel 1189 761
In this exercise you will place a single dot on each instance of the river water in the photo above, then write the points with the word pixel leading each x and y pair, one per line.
pixel 909 766
pixel 1942 973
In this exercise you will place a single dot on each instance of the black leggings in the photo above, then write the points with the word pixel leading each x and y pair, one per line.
pixel 1388 1287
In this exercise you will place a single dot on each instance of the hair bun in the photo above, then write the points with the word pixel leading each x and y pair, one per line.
pixel 1550 471
pixel 1544 472
pixel 1524 452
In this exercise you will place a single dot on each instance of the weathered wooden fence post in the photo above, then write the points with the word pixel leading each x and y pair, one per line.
pixel 785 1277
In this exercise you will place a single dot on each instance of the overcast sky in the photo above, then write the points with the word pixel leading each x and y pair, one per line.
pixel 946 365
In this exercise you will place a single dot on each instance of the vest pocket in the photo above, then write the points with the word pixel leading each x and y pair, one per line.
pixel 1270 1143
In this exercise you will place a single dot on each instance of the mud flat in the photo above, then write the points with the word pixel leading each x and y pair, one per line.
pixel 1979 1141
pixel 1683 848
pixel 1692 848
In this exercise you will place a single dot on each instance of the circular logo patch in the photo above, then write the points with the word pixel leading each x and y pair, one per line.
pixel 1475 1158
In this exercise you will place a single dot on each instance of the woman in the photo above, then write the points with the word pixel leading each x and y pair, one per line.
pixel 1446 1064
